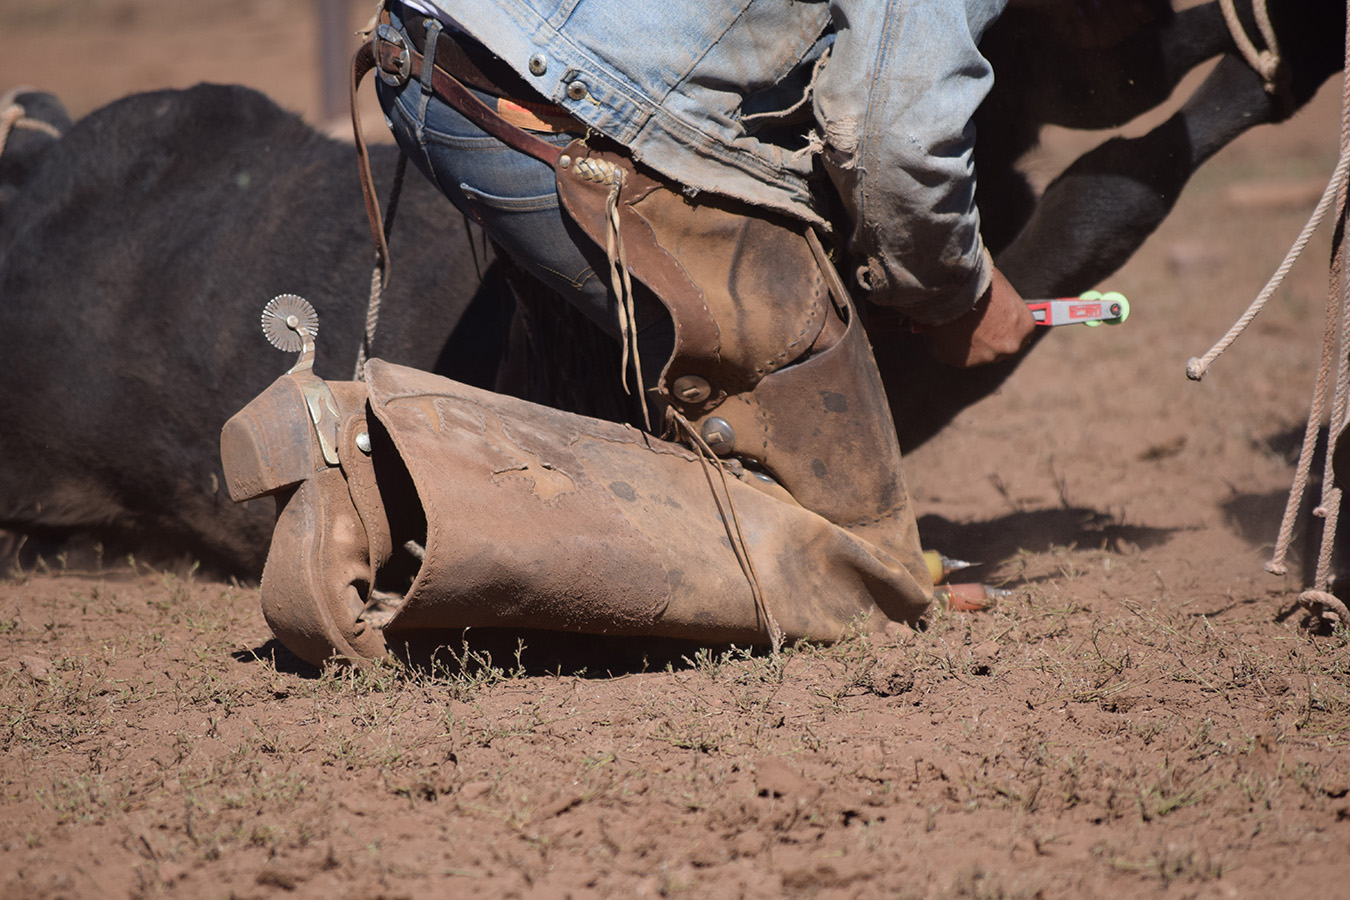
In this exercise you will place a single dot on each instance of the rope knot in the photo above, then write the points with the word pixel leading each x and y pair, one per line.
pixel 1326 605
pixel 1267 62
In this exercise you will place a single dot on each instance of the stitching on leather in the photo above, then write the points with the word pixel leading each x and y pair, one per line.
pixel 773 364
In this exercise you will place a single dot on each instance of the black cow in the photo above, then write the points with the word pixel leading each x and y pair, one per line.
pixel 135 260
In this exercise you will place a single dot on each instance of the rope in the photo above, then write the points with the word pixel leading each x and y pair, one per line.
pixel 732 523
pixel 1196 367
pixel 1330 508
pixel 1324 605
pixel 603 172
pixel 1302 471
pixel 14 116
pixel 1318 600
pixel 1266 62
pixel 377 275
pixel 372 320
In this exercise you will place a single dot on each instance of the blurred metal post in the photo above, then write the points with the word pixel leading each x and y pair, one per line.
pixel 334 57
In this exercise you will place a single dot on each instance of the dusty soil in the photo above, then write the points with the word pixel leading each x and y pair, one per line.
pixel 1143 716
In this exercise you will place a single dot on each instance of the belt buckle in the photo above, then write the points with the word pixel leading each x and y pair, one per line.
pixel 392 36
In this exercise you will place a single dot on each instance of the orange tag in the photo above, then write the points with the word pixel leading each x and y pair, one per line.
pixel 536 116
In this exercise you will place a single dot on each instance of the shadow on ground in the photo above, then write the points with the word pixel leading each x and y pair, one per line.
pixel 1257 517
pixel 471 652
pixel 995 541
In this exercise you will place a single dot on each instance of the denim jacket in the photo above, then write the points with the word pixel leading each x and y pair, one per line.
pixel 740 97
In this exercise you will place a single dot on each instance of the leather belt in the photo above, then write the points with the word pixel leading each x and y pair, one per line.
pixel 461 56
pixel 469 63
pixel 397 61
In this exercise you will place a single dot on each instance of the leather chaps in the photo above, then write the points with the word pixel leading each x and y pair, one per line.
pixel 771 507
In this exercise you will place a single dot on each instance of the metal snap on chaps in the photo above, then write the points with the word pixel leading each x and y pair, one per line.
pixel 718 434
pixel 692 388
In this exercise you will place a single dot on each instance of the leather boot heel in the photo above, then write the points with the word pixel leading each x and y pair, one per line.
pixel 319 568
pixel 318 575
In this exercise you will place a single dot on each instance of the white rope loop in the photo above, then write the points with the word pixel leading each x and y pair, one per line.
pixel 1266 62
pixel 15 116
pixel 1325 605
pixel 1318 600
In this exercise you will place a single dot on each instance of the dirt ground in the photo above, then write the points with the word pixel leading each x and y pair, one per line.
pixel 1143 716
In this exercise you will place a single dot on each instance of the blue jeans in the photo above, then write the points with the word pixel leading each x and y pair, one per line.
pixel 514 198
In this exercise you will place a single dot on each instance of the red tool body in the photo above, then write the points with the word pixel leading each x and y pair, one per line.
pixel 1092 308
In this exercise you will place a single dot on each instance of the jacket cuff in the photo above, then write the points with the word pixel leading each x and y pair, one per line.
pixel 938 307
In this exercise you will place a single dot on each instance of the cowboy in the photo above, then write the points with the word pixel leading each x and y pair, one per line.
pixel 687 176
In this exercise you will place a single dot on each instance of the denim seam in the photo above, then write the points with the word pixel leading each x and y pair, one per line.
pixel 585 275
pixel 538 203
pixel 418 129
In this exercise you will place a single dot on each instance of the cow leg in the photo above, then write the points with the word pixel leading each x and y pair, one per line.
pixel 1093 217
pixel 1089 221
pixel 1097 213
pixel 1046 78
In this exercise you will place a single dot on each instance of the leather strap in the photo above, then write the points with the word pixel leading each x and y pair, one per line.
pixel 697 336
pixel 455 94
pixel 362 62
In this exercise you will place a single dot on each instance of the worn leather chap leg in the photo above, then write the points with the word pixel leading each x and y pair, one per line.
pixel 526 517
pixel 770 364
pixel 418 504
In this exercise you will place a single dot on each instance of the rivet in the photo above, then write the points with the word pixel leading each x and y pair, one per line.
pixel 538 64
pixel 692 388
pixel 564 161
pixel 363 442
pixel 719 435
pixel 577 90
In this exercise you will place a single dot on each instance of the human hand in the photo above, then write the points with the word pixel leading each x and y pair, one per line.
pixel 998 327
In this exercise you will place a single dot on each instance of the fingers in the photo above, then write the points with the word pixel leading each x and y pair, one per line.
pixel 998 327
